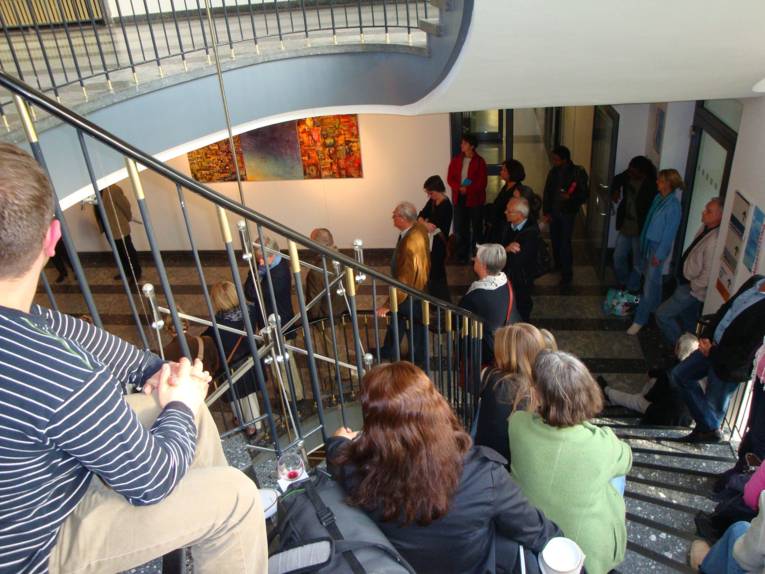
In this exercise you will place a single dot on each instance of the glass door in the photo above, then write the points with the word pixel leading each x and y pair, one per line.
pixel 605 131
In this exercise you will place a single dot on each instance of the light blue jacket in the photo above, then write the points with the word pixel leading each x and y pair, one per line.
pixel 661 227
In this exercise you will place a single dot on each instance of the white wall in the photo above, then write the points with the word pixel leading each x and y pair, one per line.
pixel 398 154
pixel 748 177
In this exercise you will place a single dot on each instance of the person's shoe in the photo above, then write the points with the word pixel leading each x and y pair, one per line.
pixel 61 277
pixel 697 436
pixel 699 551
pixel 634 329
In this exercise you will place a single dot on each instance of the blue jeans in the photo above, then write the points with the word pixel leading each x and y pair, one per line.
pixel 626 274
pixel 707 409
pixel 651 297
pixel 619 482
pixel 720 558
pixel 678 314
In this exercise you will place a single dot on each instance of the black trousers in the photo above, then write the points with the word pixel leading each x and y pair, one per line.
pixel 437 283
pixel 523 301
pixel 561 233
pixel 468 227
pixel 754 439
pixel 420 333
pixel 128 256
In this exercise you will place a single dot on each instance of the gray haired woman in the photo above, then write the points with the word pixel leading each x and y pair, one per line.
pixel 491 296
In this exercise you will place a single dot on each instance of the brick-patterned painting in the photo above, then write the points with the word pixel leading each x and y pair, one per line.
pixel 321 147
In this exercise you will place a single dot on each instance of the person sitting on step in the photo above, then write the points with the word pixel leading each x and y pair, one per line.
pixel 569 468
pixel 446 505
pixel 507 387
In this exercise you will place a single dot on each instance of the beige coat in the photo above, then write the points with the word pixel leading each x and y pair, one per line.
pixel 698 264
pixel 118 211
pixel 413 260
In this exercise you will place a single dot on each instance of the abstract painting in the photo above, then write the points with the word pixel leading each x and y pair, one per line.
pixel 323 147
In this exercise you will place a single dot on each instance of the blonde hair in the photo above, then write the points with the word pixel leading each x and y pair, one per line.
pixel 672 177
pixel 515 349
pixel 550 343
pixel 170 326
pixel 223 296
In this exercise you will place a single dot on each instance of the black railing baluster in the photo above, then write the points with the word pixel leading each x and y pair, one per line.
pixel 361 23
pixel 385 20
pixel 439 356
pixel 161 16
pixel 239 19
pixel 234 396
pixel 312 372
pixel 178 34
pixel 114 45
pixel 449 358
pixel 279 24
pixel 376 320
pixel 237 281
pixel 265 16
pixel 48 290
pixel 347 347
pixel 80 27
pixel 254 27
pixel 204 34
pixel 110 239
pixel 412 345
pixel 188 23
pixel 394 324
pixel 138 33
pixel 66 238
pixel 97 36
pixel 408 22
pixel 135 180
pixel 11 48
pixel 465 375
pixel 153 38
pixel 331 318
pixel 332 20
pixel 350 289
pixel 17 16
pixel 292 20
pixel 69 41
pixel 228 28
pixel 48 13
pixel 127 42
pixel 305 19
pixel 426 340
pixel 318 14
pixel 425 8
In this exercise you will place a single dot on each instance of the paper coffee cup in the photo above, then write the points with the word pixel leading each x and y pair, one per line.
pixel 561 556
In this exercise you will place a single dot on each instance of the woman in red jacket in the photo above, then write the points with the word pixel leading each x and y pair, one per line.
pixel 467 178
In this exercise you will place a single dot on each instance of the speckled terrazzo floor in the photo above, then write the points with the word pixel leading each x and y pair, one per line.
pixel 669 481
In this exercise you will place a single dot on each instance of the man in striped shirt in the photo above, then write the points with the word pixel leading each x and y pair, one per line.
pixel 91 481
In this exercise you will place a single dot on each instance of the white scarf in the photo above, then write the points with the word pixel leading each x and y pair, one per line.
pixel 490 282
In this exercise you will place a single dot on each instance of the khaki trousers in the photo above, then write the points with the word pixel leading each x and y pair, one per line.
pixel 214 509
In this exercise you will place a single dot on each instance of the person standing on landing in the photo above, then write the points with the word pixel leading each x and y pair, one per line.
pixel 656 242
pixel 467 179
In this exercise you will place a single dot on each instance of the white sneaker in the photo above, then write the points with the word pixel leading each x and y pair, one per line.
pixel 634 329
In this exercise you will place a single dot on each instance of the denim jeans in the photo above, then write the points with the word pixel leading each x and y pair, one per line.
pixel 678 314
pixel 651 297
pixel 619 482
pixel 707 409
pixel 720 558
pixel 627 274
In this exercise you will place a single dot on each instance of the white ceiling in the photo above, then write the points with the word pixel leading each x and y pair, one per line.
pixel 522 53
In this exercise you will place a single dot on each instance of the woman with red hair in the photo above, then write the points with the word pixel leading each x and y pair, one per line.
pixel 446 505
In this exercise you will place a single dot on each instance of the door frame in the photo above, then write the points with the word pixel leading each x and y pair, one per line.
pixel 458 121
pixel 704 121
pixel 604 250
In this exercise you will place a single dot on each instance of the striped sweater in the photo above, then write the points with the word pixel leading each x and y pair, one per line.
pixel 63 418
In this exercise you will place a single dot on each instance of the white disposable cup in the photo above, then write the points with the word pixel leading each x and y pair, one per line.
pixel 561 556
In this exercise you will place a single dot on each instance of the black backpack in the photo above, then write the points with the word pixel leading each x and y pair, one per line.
pixel 314 510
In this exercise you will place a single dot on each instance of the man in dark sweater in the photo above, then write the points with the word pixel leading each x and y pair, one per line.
pixel 566 189
pixel 726 350
pixel 92 480
pixel 521 241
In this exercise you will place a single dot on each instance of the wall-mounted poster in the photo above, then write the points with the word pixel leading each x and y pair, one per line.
pixel 312 148
pixel 754 241
pixel 733 247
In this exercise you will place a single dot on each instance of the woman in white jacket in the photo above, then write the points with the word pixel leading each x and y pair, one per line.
pixel 681 311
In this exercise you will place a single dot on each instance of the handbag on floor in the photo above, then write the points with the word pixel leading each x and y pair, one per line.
pixel 620 303
pixel 314 511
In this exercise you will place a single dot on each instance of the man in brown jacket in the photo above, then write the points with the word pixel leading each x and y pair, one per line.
pixel 119 215
pixel 410 265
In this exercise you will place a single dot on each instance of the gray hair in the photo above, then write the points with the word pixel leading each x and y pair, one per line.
pixel 272 247
pixel 521 205
pixel 686 344
pixel 717 201
pixel 407 210
pixel 492 256
pixel 324 236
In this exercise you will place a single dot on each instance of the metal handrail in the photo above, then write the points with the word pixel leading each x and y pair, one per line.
pixel 68 49
pixel 72 118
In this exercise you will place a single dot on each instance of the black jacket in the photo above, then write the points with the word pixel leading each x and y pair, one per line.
pixel 521 267
pixel 732 357
pixel 573 180
pixel 491 305
pixel 488 515
pixel 282 281
pixel 646 193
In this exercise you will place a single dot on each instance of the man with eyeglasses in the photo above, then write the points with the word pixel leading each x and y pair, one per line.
pixel 521 241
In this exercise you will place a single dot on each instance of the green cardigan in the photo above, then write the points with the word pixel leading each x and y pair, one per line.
pixel 566 473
